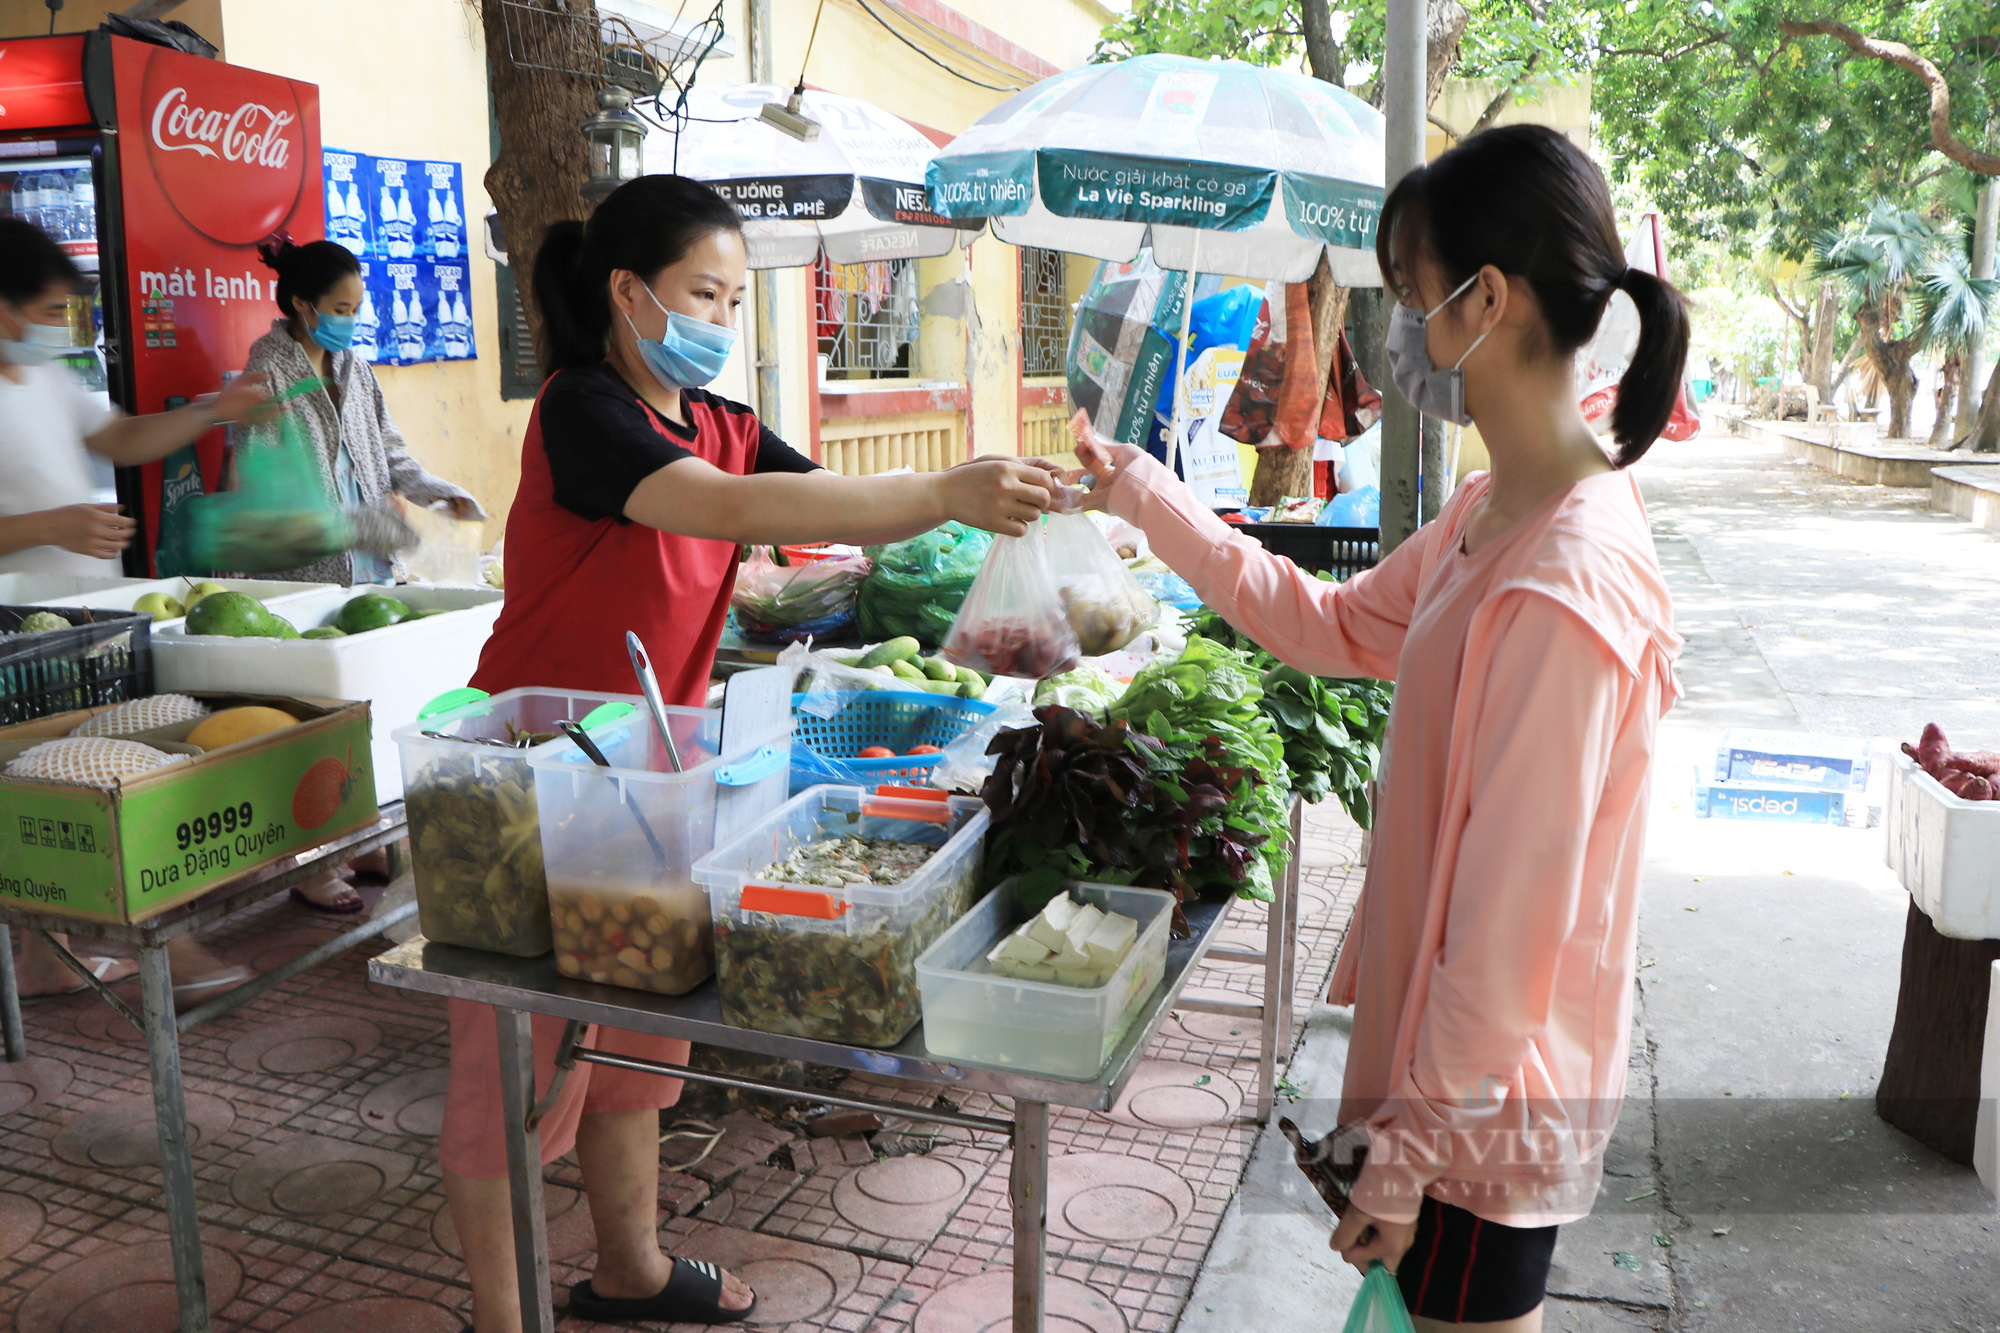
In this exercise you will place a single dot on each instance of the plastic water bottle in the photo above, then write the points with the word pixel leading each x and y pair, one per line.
pixel 21 198
pixel 387 223
pixel 52 214
pixel 408 217
pixel 367 328
pixel 357 216
pixel 336 212
pixel 83 206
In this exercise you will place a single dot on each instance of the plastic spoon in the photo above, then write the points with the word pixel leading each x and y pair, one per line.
pixel 649 685
pixel 596 756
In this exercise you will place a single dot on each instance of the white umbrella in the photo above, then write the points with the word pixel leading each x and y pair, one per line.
pixel 857 189
pixel 1220 166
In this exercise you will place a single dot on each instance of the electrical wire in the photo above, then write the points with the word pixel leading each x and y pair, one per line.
pixel 994 87
pixel 953 45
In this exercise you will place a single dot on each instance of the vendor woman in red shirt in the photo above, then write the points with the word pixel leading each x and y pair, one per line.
pixel 636 488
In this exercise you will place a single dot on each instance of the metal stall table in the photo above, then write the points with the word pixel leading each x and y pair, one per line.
pixel 520 987
pixel 163 1028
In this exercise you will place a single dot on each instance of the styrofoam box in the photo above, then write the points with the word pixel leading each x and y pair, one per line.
pixel 398 669
pixel 120 594
pixel 34 589
pixel 1946 851
pixel 974 1014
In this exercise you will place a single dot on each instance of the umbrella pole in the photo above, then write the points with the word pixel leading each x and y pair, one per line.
pixel 1180 373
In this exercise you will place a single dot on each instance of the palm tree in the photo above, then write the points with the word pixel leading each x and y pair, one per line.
pixel 1879 263
pixel 1957 310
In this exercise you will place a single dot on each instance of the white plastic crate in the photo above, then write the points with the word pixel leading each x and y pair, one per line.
pixel 398 669
pixel 1946 851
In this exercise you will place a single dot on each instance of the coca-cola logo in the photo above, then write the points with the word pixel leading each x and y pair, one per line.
pixel 227 147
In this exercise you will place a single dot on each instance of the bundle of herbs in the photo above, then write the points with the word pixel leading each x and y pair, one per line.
pixel 1073 798
pixel 1331 729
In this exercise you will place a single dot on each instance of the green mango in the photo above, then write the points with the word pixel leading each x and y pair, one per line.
pixel 282 628
pixel 427 613
pixel 235 615
pixel 371 611
pixel 325 632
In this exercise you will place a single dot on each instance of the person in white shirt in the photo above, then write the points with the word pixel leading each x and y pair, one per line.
pixel 49 425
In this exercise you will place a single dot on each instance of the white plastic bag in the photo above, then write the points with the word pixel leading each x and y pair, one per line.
pixel 1103 602
pixel 965 765
pixel 1012 622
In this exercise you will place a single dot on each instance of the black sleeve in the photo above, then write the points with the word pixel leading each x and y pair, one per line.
pixel 774 455
pixel 601 442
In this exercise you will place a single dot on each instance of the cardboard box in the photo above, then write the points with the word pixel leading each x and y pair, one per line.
pixel 174 833
pixel 1792 759
pixel 1755 800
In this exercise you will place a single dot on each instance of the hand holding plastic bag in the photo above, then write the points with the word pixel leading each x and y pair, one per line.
pixel 1012 622
pixel 1379 1308
pixel 1103 603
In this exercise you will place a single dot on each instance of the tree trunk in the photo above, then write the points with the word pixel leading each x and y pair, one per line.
pixel 1444 24
pixel 543 163
pixel 1930 1076
pixel 1825 330
pixel 1890 359
pixel 1282 471
pixel 1986 439
pixel 1902 390
pixel 1947 394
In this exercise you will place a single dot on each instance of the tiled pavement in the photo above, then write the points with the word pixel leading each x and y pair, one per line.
pixel 315 1109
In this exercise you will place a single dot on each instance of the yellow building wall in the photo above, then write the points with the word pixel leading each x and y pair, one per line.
pixel 407 78
pixel 1561 106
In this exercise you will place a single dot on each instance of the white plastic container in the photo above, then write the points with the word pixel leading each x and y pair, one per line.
pixel 972 1013
pixel 620 844
pixel 1946 851
pixel 475 835
pixel 39 589
pixel 838 964
pixel 398 669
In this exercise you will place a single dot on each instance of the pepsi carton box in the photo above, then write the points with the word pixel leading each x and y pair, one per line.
pixel 1794 759
pixel 1765 801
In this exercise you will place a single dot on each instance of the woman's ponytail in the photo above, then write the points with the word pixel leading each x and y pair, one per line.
pixel 643 226
pixel 575 315
pixel 1652 383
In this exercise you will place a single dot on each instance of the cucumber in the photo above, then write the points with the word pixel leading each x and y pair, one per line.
pixel 975 684
pixel 909 672
pixel 894 650
pixel 946 687
pixel 937 668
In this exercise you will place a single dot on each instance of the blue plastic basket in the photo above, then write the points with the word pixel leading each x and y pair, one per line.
pixel 824 748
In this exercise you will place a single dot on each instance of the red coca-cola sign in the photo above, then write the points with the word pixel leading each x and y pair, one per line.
pixel 228 147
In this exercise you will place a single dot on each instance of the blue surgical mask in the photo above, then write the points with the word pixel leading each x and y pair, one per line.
pixel 38 344
pixel 1433 392
pixel 688 353
pixel 333 332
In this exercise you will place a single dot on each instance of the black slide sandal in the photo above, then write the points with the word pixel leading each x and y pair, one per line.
pixel 693 1295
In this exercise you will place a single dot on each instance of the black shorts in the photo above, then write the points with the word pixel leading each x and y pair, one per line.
pixel 1462 1269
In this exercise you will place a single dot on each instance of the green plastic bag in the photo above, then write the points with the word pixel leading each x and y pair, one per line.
pixel 279 516
pixel 916 587
pixel 1379 1308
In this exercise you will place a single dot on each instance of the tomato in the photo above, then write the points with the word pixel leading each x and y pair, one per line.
pixel 923 749
pixel 877 752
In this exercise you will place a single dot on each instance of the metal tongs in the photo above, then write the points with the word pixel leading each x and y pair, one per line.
pixel 596 756
pixel 649 685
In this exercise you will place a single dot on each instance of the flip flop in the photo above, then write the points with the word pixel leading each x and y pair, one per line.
pixel 341 909
pixel 693 1295
pixel 98 967
pixel 188 994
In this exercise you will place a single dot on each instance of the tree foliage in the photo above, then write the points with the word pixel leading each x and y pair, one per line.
pixel 1738 129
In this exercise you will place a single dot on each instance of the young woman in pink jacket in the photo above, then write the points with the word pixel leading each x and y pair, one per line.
pixel 1530 636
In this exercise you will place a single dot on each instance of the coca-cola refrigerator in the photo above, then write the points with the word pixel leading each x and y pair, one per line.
pixel 159 172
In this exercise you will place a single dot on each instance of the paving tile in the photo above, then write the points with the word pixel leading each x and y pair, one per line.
pixel 823 1154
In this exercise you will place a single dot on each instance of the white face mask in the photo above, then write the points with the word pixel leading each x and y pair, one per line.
pixel 1433 392
pixel 38 343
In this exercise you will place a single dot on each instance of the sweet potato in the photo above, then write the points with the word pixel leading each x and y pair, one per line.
pixel 1977 789
pixel 1933 749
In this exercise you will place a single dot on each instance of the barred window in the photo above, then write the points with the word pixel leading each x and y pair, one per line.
pixel 867 316
pixel 1045 312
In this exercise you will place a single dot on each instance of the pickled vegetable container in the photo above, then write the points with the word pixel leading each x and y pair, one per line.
pixel 838 963
pixel 475 838
pixel 620 843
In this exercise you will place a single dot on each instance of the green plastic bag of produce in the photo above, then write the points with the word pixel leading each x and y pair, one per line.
pixel 280 515
pixel 917 586
pixel 1379 1308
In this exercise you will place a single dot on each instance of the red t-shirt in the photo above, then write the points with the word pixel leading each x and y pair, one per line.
pixel 580 574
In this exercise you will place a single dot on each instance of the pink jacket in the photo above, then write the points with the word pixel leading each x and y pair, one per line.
pixel 1491 957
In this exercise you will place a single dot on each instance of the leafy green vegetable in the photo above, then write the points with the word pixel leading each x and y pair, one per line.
pixel 1088 689
pixel 915 587
pixel 1212 691
pixel 1076 799
pixel 1331 729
